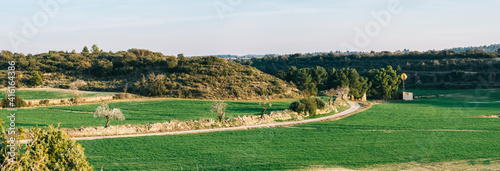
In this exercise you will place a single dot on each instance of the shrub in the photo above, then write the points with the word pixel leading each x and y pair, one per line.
pixel 44 102
pixel 295 106
pixel 219 107
pixel 308 105
pixel 36 79
pixel 50 149
pixel 320 103
pixel 18 101
pixel 123 96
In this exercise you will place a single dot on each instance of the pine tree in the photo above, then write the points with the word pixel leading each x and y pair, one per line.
pixel 85 50
pixel 36 79
pixel 385 82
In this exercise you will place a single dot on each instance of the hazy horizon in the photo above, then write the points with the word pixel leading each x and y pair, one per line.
pixel 239 27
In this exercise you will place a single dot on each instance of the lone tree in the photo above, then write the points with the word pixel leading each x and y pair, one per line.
pixel 75 86
pixel 104 112
pixel 85 50
pixel 219 107
pixel 264 103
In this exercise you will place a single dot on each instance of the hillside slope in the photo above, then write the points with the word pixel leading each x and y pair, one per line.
pixel 147 73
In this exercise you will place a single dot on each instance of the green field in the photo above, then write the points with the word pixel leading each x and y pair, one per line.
pixel 424 130
pixel 51 94
pixel 136 112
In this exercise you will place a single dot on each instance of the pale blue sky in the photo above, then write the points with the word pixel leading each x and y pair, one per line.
pixel 193 27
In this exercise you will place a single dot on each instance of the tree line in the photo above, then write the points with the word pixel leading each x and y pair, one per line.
pixel 432 68
pixel 378 83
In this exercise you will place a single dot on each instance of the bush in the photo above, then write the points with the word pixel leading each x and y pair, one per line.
pixel 123 96
pixel 36 79
pixel 298 107
pixel 50 149
pixel 18 101
pixel 44 102
pixel 311 106
pixel 320 103
pixel 308 105
pixel 295 106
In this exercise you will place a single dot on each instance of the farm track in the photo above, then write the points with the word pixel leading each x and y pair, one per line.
pixel 354 107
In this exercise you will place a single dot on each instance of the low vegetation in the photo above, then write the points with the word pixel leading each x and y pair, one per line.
pixel 49 149
pixel 308 106
pixel 14 101
pixel 219 108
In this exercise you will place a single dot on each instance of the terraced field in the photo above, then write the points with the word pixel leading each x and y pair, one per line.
pixel 35 94
pixel 136 112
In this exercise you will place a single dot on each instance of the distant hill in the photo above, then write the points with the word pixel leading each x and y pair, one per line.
pixel 489 48
pixel 147 73
pixel 229 56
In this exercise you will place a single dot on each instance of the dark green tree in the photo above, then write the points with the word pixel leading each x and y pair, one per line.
pixel 291 73
pixel 85 50
pixel 358 85
pixel 385 82
pixel 338 78
pixel 311 89
pixel 171 62
pixel 302 78
pixel 95 49
pixel 36 79
pixel 319 77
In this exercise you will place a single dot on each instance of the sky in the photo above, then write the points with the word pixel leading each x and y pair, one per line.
pixel 241 27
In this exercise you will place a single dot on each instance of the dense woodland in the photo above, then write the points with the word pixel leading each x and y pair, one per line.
pixel 146 73
pixel 441 69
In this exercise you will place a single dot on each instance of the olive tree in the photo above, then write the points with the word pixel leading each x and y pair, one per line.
pixel 74 86
pixel 104 112
pixel 264 103
pixel 342 92
pixel 330 93
pixel 219 107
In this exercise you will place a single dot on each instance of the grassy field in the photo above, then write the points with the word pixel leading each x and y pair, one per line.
pixel 136 112
pixel 51 94
pixel 424 130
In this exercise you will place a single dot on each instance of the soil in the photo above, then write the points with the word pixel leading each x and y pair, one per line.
pixel 488 116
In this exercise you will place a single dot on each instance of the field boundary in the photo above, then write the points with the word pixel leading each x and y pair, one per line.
pixel 353 108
